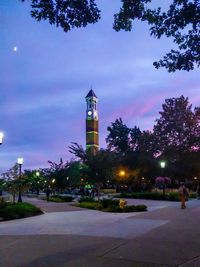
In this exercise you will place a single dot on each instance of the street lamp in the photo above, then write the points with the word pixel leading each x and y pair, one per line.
pixel 122 173
pixel 162 164
pixel 1 137
pixel 20 162
pixel 37 174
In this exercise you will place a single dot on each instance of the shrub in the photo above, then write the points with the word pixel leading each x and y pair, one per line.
pixel 90 205
pixel 86 199
pixel 110 205
pixel 114 208
pixel 131 208
pixel 99 206
pixel 2 202
pixel 109 202
pixel 193 195
pixel 172 196
pixel 57 198
pixel 18 210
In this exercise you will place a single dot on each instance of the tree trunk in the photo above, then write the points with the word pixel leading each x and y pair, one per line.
pixel 13 195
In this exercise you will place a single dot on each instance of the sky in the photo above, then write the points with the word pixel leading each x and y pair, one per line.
pixel 44 81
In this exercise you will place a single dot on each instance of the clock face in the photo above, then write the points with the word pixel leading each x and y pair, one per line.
pixel 89 113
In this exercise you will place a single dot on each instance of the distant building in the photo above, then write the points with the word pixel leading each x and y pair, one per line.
pixel 92 123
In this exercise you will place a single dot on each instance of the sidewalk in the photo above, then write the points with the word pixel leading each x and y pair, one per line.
pixel 46 206
pixel 164 236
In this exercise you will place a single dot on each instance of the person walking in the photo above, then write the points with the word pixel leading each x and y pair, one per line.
pixel 48 193
pixel 184 194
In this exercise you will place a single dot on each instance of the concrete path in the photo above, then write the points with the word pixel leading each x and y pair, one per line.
pixel 46 206
pixel 164 236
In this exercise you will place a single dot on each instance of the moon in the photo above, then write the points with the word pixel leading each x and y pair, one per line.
pixel 15 48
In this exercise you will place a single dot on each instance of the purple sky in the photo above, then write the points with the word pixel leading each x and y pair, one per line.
pixel 44 83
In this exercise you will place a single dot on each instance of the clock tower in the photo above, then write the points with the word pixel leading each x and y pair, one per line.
pixel 92 123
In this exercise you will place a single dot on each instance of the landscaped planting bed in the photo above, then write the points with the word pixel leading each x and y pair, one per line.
pixel 58 198
pixel 109 205
pixel 171 196
pixel 10 211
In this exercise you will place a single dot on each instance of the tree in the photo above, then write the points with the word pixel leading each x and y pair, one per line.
pixel 118 138
pixel 181 22
pixel 36 180
pixel 122 139
pixel 177 135
pixel 100 166
pixel 135 149
pixel 2 186
pixel 14 183
pixel 78 151
pixel 74 174
pixel 147 143
pixel 135 135
pixel 97 169
pixel 57 174
pixel 178 126
pixel 66 14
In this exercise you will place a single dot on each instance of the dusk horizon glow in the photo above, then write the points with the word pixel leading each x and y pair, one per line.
pixel 45 75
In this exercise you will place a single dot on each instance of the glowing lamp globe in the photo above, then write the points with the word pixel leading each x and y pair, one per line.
pixel 162 164
pixel 20 161
pixel 1 138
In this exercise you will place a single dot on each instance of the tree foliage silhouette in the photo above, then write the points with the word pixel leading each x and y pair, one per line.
pixel 181 22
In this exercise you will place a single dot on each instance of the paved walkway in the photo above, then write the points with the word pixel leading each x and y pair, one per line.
pixel 46 206
pixel 163 236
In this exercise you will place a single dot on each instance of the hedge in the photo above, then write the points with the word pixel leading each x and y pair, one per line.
pixel 58 198
pixel 171 196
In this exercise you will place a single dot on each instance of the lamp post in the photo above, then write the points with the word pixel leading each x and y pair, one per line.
pixel 163 165
pixel 1 137
pixel 20 162
pixel 37 174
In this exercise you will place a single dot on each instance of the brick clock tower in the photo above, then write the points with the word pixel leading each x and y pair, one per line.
pixel 92 123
